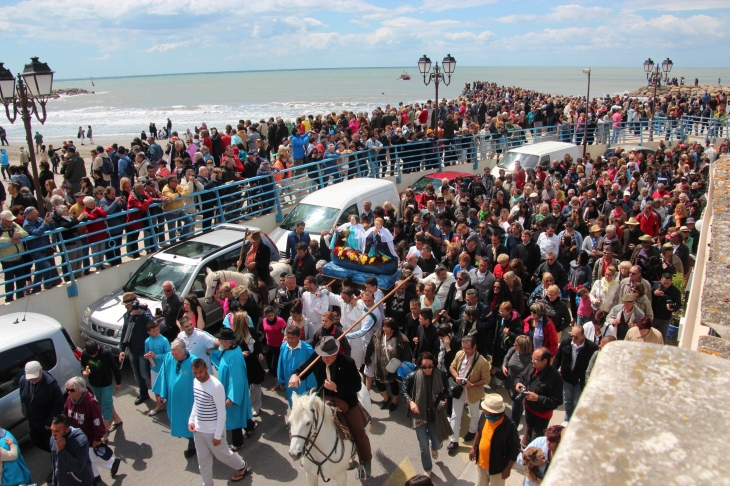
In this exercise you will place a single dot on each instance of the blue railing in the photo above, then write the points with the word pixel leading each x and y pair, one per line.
pixel 60 258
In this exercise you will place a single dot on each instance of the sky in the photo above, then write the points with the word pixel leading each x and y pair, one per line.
pixel 81 38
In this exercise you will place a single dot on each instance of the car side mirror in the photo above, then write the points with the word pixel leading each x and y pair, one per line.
pixel 199 293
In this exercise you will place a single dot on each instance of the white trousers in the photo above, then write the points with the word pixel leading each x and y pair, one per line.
pixel 357 352
pixel 255 391
pixel 206 450
pixel 458 410
pixel 97 462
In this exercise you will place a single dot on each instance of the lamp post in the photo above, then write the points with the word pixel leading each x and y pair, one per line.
pixel 437 76
pixel 33 85
pixel 654 76
pixel 585 122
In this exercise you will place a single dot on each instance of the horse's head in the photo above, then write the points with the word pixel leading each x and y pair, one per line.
pixel 212 282
pixel 302 420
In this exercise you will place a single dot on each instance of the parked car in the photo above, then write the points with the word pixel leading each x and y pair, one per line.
pixel 610 152
pixel 24 337
pixel 541 153
pixel 332 206
pixel 435 180
pixel 186 265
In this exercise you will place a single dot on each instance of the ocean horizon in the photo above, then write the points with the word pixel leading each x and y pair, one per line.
pixel 124 106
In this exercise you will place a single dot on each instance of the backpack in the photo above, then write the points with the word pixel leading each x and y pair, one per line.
pixel 107 168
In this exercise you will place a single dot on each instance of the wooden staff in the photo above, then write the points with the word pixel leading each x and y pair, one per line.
pixel 375 306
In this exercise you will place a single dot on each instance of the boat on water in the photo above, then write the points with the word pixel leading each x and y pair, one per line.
pixel 405 76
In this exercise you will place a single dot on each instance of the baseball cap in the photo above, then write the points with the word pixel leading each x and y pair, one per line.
pixel 7 216
pixel 253 152
pixel 32 370
pixel 108 149
pixel 628 298
pixel 28 210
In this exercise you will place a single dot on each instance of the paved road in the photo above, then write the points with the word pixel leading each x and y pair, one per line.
pixel 150 456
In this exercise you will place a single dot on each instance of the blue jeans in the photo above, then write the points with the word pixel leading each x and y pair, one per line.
pixel 517 408
pixel 42 268
pixel 424 433
pixel 182 220
pixel 141 370
pixel 571 395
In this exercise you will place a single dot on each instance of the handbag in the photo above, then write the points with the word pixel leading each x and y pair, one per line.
pixel 455 388
pixel 393 363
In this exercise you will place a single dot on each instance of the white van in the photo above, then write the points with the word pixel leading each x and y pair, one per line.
pixel 541 153
pixel 332 206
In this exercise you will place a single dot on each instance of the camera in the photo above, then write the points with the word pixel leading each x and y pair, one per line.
pixel 137 306
pixel 521 396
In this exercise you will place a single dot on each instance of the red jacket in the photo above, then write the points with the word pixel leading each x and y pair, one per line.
pixel 134 219
pixel 86 415
pixel 100 226
pixel 649 224
pixel 548 328
pixel 208 143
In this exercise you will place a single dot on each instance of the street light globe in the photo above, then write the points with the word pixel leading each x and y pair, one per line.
pixel 648 66
pixel 667 65
pixel 7 83
pixel 449 64
pixel 587 71
pixel 39 78
pixel 424 64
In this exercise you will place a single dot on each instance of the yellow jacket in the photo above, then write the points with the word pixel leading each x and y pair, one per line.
pixel 6 239
pixel 176 197
pixel 479 372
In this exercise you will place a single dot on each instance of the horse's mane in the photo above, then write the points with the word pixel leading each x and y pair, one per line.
pixel 302 406
pixel 226 276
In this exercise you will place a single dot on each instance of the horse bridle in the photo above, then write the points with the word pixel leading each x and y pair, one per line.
pixel 311 438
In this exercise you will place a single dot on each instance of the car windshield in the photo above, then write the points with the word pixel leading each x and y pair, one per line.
pixel 316 218
pixel 147 281
pixel 191 249
pixel 421 183
pixel 527 161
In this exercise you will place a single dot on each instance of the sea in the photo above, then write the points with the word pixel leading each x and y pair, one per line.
pixel 125 106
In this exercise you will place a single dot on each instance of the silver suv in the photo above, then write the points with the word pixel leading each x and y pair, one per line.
pixel 185 265
pixel 31 337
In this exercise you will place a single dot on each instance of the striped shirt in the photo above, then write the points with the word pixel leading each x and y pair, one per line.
pixel 209 407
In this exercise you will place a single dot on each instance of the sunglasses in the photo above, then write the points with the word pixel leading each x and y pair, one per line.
pixel 70 390
pixel 427 367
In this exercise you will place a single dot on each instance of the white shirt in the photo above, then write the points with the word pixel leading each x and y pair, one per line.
pixel 314 307
pixel 576 349
pixel 548 243
pixel 590 331
pixel 443 291
pixel 209 407
pixel 198 344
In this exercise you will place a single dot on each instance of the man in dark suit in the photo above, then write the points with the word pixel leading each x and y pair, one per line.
pixel 529 253
pixel 304 264
pixel 572 359
pixel 397 306
pixel 494 249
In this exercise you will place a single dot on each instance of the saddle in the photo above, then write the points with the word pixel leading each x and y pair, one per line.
pixel 340 421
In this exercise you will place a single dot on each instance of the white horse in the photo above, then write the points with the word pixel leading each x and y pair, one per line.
pixel 315 442
pixel 214 280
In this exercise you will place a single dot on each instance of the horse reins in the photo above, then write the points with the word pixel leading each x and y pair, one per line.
pixel 311 438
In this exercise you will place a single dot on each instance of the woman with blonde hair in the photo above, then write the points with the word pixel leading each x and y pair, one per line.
pixel 252 354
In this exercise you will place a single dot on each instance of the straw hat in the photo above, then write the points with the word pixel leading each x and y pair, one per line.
pixel 632 221
pixel 646 238
pixel 595 228
pixel 493 403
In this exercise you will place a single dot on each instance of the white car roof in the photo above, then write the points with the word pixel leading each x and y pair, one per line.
pixel 28 324
pixel 332 196
pixel 542 148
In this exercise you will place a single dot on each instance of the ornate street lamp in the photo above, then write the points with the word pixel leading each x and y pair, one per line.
pixel 438 75
pixel 654 76
pixel 31 90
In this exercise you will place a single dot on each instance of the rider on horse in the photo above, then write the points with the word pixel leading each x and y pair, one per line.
pixel 339 381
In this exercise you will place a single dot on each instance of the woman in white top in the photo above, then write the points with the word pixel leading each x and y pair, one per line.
pixel 429 299
pixel 597 329
pixel 603 292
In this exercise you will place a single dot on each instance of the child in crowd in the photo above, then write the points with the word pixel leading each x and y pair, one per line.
pixel 156 348
pixel 585 308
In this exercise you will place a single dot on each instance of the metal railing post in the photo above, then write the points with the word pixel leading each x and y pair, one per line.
pixel 221 209
pixel 279 215
pixel 73 289
pixel 396 160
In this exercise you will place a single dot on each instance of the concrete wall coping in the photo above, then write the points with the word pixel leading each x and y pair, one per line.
pixel 649 415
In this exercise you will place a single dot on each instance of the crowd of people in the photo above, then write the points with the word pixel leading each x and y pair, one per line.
pixel 517 279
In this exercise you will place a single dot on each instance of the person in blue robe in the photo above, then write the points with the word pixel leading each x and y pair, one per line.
pixel 293 353
pixel 14 471
pixel 175 386
pixel 229 361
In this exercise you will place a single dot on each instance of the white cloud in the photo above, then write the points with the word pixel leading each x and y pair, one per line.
pixel 105 57
pixel 561 13
pixel 441 5
pixel 675 5
pixel 167 46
